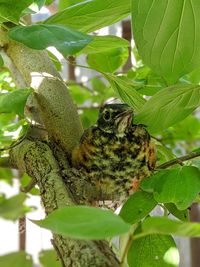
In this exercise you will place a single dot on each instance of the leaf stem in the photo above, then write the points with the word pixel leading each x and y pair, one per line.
pixel 128 244
pixel 179 160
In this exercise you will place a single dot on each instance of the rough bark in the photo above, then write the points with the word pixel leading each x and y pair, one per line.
pixel 37 158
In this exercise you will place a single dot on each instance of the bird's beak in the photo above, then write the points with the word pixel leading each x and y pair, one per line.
pixel 124 120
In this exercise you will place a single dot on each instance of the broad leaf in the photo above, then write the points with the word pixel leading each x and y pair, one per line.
pixel 16 259
pixel 167 35
pixel 163 225
pixel 84 223
pixel 6 6
pixel 67 40
pixel 126 90
pixel 169 106
pixel 91 15
pixel 182 215
pixel 154 251
pixel 62 4
pixel 179 186
pixel 108 61
pixel 137 207
pixel 104 43
pixel 49 258
pixel 13 208
pixel 187 129
pixel 14 101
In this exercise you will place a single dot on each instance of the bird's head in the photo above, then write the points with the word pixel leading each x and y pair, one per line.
pixel 115 118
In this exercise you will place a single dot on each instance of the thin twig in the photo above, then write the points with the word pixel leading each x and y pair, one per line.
pixel 16 143
pixel 29 187
pixel 179 160
pixel 128 245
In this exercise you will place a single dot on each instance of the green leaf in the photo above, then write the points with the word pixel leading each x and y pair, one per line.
pixel 104 43
pixel 169 106
pixel 89 117
pixel 98 85
pixel 48 258
pixel 6 6
pixel 68 41
pixel 1 61
pixel 188 129
pixel 167 35
pixel 34 7
pixel 14 101
pixel 16 259
pixel 13 208
pixel 163 225
pixel 89 16
pixel 6 175
pixel 154 251
pixel 108 61
pixel 179 186
pixel 25 181
pixel 79 94
pixel 48 2
pixel 163 153
pixel 126 90
pixel 83 222
pixel 62 4
pixel 182 215
pixel 137 207
pixel 55 61
pixel 39 3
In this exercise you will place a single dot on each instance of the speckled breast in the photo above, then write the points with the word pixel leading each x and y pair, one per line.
pixel 114 162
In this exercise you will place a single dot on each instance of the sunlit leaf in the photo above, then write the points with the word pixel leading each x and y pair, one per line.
pixel 179 186
pixel 155 251
pixel 108 61
pixel 126 90
pixel 6 6
pixel 84 223
pixel 167 35
pixel 62 4
pixel 169 106
pixel 14 101
pixel 104 43
pixel 13 208
pixel 89 16
pixel 163 225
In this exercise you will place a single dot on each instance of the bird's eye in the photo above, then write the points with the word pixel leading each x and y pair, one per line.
pixel 106 116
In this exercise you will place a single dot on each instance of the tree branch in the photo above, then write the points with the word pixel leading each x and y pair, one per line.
pixel 52 100
pixel 37 160
pixel 179 160
pixel 59 115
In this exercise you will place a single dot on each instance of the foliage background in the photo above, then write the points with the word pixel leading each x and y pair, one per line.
pixel 168 45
